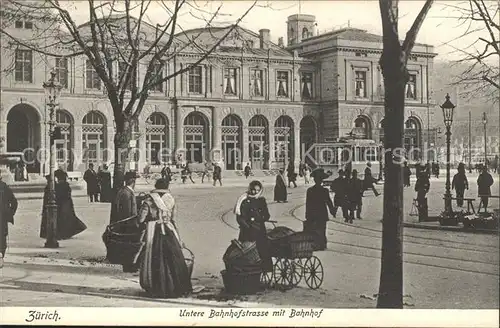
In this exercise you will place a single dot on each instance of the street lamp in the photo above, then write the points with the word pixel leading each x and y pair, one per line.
pixel 485 121
pixel 448 108
pixel 52 91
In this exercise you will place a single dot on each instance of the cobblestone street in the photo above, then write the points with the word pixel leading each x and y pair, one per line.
pixel 443 269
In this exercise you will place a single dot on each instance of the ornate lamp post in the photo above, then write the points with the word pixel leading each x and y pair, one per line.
pixel 52 92
pixel 485 121
pixel 448 108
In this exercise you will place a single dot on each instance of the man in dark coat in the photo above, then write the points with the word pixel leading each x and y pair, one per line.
pixel 406 175
pixel 339 187
pixel 8 208
pixel 291 175
pixel 217 174
pixel 422 187
pixel 166 173
pixel 104 177
pixel 90 176
pixel 318 204
pixel 484 183
pixel 280 194
pixel 125 206
pixel 247 170
pixel 460 183
pixel 354 195
pixel 368 181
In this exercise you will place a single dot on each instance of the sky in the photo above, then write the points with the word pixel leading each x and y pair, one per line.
pixel 440 29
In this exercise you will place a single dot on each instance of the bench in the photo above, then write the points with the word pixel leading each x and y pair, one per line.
pixel 470 204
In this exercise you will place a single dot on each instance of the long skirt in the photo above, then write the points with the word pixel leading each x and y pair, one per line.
pixel 280 194
pixel 318 230
pixel 68 224
pixel 3 238
pixel 163 269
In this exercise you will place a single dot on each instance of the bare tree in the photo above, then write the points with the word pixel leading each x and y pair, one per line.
pixel 480 74
pixel 393 63
pixel 113 35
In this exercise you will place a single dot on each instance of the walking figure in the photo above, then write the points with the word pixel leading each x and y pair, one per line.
pixel 368 181
pixel 406 175
pixel 90 176
pixel 484 183
pixel 355 194
pixel 307 172
pixel 422 187
pixel 189 174
pixel 104 177
pixel 280 194
pixel 247 170
pixel 217 174
pixel 339 187
pixel 460 183
pixel 435 169
pixel 205 171
pixel 8 208
pixel 291 175
pixel 166 172
pixel 318 204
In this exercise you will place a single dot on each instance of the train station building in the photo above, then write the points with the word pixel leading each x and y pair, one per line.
pixel 253 100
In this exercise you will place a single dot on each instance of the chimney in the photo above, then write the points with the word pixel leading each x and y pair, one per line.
pixel 264 36
pixel 281 43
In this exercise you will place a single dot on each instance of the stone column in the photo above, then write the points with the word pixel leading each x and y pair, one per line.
pixel 272 147
pixel 179 136
pixel 244 147
pixel 296 145
pixel 216 153
pixel 77 149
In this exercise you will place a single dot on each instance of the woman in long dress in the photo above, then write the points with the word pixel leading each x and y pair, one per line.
pixel 105 181
pixel 252 213
pixel 163 269
pixel 68 224
pixel 280 194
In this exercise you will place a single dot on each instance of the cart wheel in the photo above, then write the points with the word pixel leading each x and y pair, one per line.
pixel 313 272
pixel 296 270
pixel 282 272
pixel 266 278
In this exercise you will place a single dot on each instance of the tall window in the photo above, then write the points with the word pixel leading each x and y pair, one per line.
pixel 360 84
pixel 195 80
pixel 156 138
pixel 93 137
pixel 230 81
pixel 92 80
pixel 306 85
pixel 62 71
pixel 411 87
pixel 158 75
pixel 63 147
pixel 24 66
pixel 122 70
pixel 256 88
pixel 282 82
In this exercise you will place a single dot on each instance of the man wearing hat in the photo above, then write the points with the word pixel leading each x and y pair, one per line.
pixel 90 176
pixel 368 181
pixel 8 208
pixel 318 204
pixel 339 187
pixel 125 206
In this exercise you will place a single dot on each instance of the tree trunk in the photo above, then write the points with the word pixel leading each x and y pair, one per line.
pixel 391 276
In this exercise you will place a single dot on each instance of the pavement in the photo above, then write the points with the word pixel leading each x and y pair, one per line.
pixel 460 265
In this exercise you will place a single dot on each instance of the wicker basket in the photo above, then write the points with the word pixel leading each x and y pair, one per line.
pixel 301 245
pixel 241 254
pixel 242 283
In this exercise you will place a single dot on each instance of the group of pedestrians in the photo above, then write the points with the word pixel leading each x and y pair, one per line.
pixel 98 184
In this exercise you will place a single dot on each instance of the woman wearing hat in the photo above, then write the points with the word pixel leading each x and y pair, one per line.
pixel 318 204
pixel 163 269
pixel 252 213
pixel 104 177
pixel 280 194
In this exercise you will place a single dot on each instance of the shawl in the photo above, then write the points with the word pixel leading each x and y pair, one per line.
pixel 237 207
pixel 164 211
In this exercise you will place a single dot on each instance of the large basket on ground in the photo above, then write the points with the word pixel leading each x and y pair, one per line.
pixel 242 256
pixel 123 241
pixel 241 282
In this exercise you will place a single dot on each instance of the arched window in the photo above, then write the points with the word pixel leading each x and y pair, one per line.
pixel 283 139
pixel 64 146
pixel 196 136
pixel 156 139
pixel 231 141
pixel 258 139
pixel 93 137
pixel 362 128
pixel 305 33
pixel 412 138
